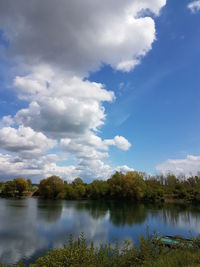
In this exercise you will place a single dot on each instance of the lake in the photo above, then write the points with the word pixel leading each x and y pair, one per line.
pixel 29 227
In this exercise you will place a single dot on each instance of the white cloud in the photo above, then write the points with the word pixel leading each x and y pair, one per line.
pixel 61 107
pixel 40 167
pixel 122 143
pixel 68 105
pixel 65 108
pixel 56 47
pixel 95 169
pixel 6 121
pixel 81 149
pixel 194 6
pixel 118 141
pixel 24 140
pixel 124 169
pixel 57 33
pixel 128 65
pixel 188 166
pixel 35 167
pixel 92 146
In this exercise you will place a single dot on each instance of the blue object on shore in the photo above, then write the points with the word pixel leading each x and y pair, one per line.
pixel 174 241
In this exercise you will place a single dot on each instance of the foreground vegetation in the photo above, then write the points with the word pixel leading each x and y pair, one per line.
pixel 132 185
pixel 150 252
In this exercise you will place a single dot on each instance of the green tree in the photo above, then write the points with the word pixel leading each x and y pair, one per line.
pixel 71 192
pixel 116 185
pixel 16 188
pixel 133 185
pixel 9 189
pixel 51 187
pixel 1 186
pixel 129 186
pixel 21 186
pixel 98 189
pixel 171 181
pixel 29 184
pixel 77 181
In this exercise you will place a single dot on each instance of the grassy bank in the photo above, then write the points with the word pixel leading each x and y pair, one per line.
pixel 148 253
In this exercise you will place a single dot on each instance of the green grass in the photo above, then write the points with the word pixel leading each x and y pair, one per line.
pixel 149 253
pixel 176 259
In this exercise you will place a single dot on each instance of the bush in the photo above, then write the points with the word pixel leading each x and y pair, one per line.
pixel 81 255
pixel 149 253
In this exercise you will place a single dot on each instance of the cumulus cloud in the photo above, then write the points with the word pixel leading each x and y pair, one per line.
pixel 35 167
pixel 82 149
pixel 188 166
pixel 122 143
pixel 194 6
pixel 124 169
pixel 24 140
pixel 91 146
pixel 58 33
pixel 128 65
pixel 61 105
pixel 6 121
pixel 70 109
pixel 41 167
pixel 56 47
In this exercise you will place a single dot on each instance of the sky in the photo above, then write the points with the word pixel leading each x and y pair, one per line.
pixel 91 87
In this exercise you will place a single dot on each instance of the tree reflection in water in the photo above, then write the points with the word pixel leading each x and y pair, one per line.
pixel 49 210
pixel 130 213
pixel 29 227
pixel 120 213
pixel 180 214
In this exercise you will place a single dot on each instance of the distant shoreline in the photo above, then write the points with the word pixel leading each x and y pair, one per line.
pixel 132 186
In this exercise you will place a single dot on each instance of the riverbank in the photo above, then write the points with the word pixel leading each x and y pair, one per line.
pixel 182 201
pixel 149 252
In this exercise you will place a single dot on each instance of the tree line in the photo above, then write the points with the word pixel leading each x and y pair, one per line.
pixel 130 186
pixel 17 188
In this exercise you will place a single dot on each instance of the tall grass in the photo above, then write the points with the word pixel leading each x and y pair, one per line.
pixel 149 253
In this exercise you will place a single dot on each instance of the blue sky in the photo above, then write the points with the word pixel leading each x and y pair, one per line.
pixel 141 113
pixel 160 98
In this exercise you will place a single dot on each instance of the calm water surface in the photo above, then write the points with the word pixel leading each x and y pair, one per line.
pixel 30 227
